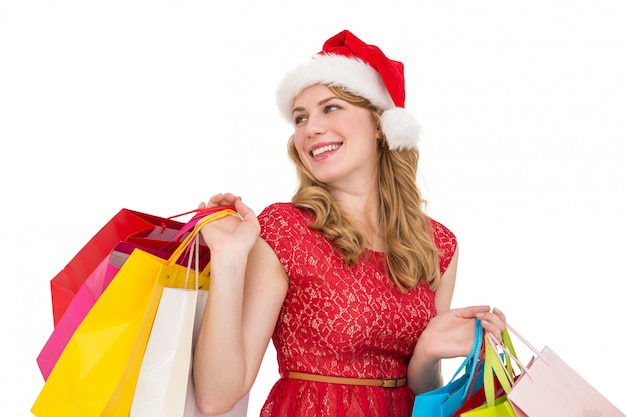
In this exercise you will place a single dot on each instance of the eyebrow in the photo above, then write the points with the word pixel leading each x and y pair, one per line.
pixel 319 103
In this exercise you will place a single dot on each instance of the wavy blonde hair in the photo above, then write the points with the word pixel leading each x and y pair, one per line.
pixel 412 256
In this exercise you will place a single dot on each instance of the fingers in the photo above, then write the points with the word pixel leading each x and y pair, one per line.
pixel 244 211
pixel 493 322
pixel 222 199
pixel 229 199
pixel 500 315
pixel 494 317
pixel 472 311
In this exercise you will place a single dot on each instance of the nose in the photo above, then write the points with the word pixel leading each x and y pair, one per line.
pixel 315 126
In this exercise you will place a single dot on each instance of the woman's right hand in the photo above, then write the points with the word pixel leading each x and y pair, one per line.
pixel 232 233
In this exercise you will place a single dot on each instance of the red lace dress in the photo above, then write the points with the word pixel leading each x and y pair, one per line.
pixel 342 321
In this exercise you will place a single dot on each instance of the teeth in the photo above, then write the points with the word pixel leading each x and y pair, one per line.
pixel 323 149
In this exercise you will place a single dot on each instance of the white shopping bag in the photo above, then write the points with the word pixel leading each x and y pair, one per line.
pixel 165 384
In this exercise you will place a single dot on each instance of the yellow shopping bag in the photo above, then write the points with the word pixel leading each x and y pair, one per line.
pixel 98 369
pixel 497 404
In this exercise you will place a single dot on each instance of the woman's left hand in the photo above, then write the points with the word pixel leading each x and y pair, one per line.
pixel 451 334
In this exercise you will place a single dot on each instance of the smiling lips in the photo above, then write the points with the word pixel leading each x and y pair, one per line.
pixel 326 148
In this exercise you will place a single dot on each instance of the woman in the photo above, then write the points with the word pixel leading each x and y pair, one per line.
pixel 351 280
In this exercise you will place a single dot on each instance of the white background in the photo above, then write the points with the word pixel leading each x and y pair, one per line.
pixel 157 105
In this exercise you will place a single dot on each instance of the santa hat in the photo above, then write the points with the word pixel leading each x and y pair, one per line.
pixel 347 62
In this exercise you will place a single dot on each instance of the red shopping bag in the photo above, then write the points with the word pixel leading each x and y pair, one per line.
pixel 157 235
pixel 124 224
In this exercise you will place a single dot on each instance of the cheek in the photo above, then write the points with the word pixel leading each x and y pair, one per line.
pixel 299 143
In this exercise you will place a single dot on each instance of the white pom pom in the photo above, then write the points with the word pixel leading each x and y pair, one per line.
pixel 400 128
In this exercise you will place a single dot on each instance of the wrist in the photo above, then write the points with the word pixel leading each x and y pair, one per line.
pixel 229 252
pixel 423 351
pixel 423 360
pixel 424 370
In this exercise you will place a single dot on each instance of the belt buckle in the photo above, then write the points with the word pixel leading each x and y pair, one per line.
pixel 389 383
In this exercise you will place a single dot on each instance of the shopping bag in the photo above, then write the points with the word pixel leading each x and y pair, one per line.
pixel 143 228
pixel 165 384
pixel 99 279
pixel 444 401
pixel 76 311
pixel 98 369
pixel 477 399
pixel 191 408
pixel 497 403
pixel 499 374
pixel 84 299
pixel 550 387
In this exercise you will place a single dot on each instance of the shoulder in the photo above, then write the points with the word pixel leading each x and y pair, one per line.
pixel 446 243
pixel 283 212
pixel 281 221
pixel 441 234
pixel 285 228
pixel 277 209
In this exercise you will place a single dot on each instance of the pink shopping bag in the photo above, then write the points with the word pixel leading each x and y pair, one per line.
pixel 78 308
pixel 549 387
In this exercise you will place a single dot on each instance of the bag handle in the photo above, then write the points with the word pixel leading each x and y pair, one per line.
pixel 509 351
pixel 200 214
pixel 195 248
pixel 495 365
pixel 470 388
pixel 472 360
pixel 475 357
pixel 164 250
pixel 184 245
pixel 526 342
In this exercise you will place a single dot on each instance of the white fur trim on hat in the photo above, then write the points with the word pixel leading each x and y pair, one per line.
pixel 400 128
pixel 352 74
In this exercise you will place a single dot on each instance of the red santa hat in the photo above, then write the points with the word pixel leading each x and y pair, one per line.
pixel 347 62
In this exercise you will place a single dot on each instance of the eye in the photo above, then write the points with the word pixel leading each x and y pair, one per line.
pixel 300 119
pixel 331 108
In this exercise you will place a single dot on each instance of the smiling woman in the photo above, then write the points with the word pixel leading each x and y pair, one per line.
pixel 131 104
pixel 351 280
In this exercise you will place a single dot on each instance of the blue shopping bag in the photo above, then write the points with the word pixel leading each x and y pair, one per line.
pixel 468 378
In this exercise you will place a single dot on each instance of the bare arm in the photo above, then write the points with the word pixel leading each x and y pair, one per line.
pixel 424 373
pixel 248 286
pixel 450 334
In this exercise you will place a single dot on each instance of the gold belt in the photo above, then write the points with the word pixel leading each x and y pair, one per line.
pixel 380 382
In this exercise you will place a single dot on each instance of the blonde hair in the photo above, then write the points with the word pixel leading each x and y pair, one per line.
pixel 412 256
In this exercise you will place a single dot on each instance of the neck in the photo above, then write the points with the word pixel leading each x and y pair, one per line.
pixel 362 208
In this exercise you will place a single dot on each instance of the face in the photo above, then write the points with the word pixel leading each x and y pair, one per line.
pixel 336 140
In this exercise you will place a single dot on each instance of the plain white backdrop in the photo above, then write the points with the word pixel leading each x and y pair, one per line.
pixel 157 105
